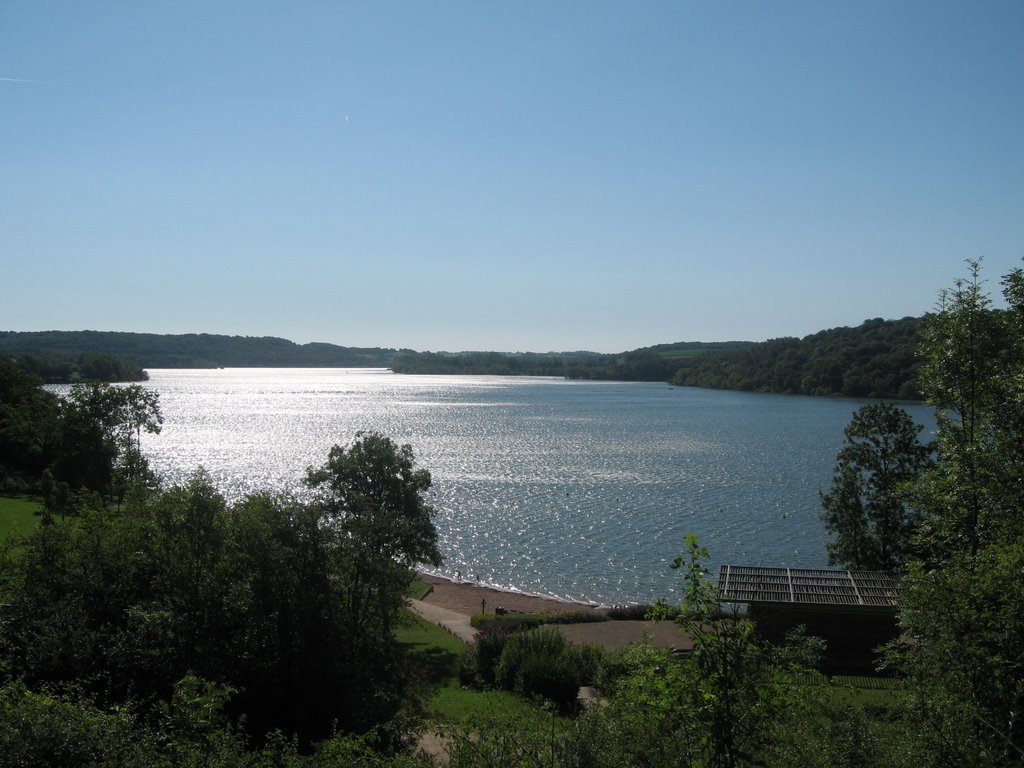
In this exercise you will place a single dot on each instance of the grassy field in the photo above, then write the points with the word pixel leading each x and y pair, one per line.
pixel 17 515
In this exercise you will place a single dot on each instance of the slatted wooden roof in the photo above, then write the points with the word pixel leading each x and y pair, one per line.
pixel 806 586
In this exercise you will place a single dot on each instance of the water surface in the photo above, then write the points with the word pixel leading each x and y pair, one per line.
pixel 578 490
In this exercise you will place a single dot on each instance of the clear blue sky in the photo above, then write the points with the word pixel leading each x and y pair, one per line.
pixel 503 175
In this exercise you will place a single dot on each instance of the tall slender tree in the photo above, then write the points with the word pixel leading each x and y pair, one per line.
pixel 963 599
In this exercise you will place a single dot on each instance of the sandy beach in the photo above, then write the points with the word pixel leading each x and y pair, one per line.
pixel 467 598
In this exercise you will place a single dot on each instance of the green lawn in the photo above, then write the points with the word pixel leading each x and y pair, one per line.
pixel 419 589
pixel 17 515
pixel 438 655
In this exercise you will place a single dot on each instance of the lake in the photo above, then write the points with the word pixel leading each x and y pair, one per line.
pixel 577 490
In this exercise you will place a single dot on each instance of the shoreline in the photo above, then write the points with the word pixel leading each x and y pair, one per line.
pixel 471 597
pixel 463 599
pixel 458 581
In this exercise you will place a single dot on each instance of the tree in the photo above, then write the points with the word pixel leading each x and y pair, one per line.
pixel 744 687
pixel 864 506
pixel 259 596
pixel 374 493
pixel 962 601
pixel 734 700
pixel 28 428
pixel 101 435
pixel 138 411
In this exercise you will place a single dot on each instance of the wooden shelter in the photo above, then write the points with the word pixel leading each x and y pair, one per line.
pixel 853 611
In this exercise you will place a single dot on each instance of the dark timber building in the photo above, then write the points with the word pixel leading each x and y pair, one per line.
pixel 853 611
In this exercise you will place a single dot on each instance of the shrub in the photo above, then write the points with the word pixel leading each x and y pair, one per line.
pixel 659 611
pixel 576 617
pixel 629 612
pixel 531 620
pixel 554 677
pixel 621 665
pixel 510 620
pixel 480 660
pixel 589 660
pixel 542 663
pixel 520 647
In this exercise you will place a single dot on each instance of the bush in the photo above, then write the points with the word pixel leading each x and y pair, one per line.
pixel 480 660
pixel 620 666
pixel 554 677
pixel 577 617
pixel 628 612
pixel 531 620
pixel 589 660
pixel 509 620
pixel 542 663
pixel 525 645
pixel 660 611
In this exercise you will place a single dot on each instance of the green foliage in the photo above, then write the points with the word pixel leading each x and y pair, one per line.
pixel 270 597
pixel 372 493
pixel 650 364
pixel 646 721
pixel 150 350
pixel 973 378
pixel 878 358
pixel 865 506
pixel 55 729
pixel 531 620
pixel 968 662
pixel 435 660
pixel 480 663
pixel 632 613
pixel 555 678
pixel 45 730
pixel 743 686
pixel 963 599
pixel 522 646
pixel 100 434
pixel 88 366
pixel 524 740
pixel 373 490
pixel 535 662
pixel 29 429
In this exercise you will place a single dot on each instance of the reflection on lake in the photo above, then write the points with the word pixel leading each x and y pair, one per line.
pixel 581 490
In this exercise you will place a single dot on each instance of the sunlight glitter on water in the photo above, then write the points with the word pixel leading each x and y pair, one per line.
pixel 580 490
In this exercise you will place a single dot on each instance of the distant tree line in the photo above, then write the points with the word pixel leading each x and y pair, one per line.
pixel 67 368
pixel 657 363
pixel 150 350
pixel 877 359
pixel 480 363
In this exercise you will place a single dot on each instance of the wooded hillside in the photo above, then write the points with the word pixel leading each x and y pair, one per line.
pixel 878 358
pixel 151 350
